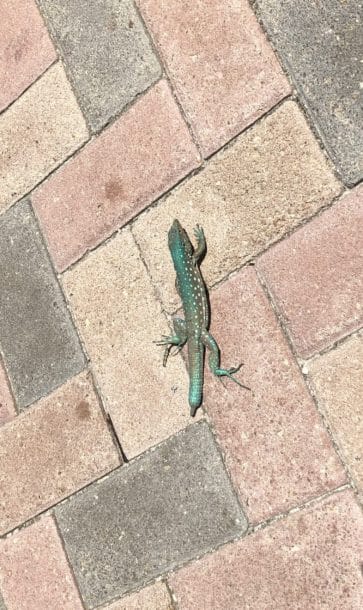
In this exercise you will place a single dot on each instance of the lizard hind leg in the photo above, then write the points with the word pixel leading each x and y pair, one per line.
pixel 214 360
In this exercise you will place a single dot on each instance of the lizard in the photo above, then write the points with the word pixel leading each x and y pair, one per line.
pixel 194 329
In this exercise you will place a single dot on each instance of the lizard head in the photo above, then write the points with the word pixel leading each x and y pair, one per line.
pixel 178 239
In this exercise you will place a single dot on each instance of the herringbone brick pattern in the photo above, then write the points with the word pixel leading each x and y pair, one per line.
pixel 116 118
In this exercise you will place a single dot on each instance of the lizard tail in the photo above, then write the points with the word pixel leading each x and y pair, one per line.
pixel 196 352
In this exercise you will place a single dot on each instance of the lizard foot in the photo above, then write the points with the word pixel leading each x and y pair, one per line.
pixel 229 373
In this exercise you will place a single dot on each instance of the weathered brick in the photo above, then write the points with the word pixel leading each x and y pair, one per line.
pixel 311 559
pixel 155 597
pixel 338 381
pixel 107 52
pixel 277 449
pixel 25 48
pixel 167 507
pixel 41 129
pixel 246 198
pixel 7 407
pixel 328 81
pixel 316 276
pixel 118 316
pixel 143 154
pixel 224 72
pixel 58 446
pixel 40 345
pixel 34 572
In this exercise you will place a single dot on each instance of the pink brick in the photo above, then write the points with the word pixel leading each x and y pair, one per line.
pixel 133 162
pixel 54 448
pixel 25 48
pixel 337 379
pixel 224 72
pixel 7 407
pixel 316 276
pixel 311 559
pixel 34 572
pixel 277 449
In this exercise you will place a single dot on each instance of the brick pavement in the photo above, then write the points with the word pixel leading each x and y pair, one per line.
pixel 114 119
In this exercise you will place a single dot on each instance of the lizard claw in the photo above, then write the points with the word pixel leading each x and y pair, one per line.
pixel 199 233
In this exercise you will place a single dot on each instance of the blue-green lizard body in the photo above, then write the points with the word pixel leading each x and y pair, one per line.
pixel 193 330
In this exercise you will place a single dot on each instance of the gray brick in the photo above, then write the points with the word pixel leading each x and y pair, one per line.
pixel 321 45
pixel 106 50
pixel 39 343
pixel 170 505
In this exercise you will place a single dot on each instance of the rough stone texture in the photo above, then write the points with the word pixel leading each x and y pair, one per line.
pixel 169 506
pixel 58 446
pixel 25 48
pixel 247 197
pixel 41 129
pixel 39 343
pixel 143 154
pixel 316 276
pixel 312 559
pixel 34 572
pixel 119 317
pixel 224 72
pixel 107 52
pixel 338 381
pixel 277 449
pixel 2 605
pixel 7 407
pixel 155 597
pixel 328 80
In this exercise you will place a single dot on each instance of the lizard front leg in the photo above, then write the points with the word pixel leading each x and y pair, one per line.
pixel 201 245
pixel 214 359
pixel 178 340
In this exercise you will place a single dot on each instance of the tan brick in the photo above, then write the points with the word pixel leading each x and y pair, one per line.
pixel 247 197
pixel 25 48
pixel 311 559
pixel 39 130
pixel 56 447
pixel 140 156
pixel 224 72
pixel 7 407
pixel 276 447
pixel 34 572
pixel 338 381
pixel 119 317
pixel 316 276
pixel 155 597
